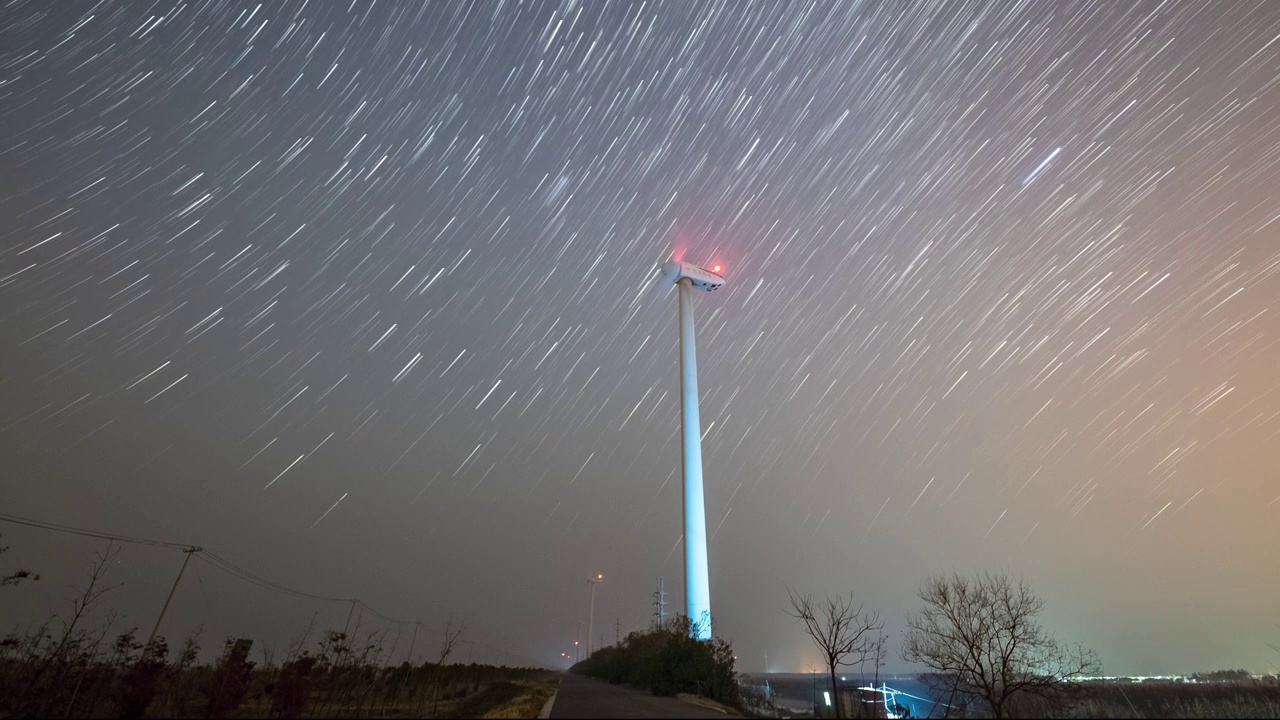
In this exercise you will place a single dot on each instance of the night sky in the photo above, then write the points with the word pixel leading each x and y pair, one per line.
pixel 363 298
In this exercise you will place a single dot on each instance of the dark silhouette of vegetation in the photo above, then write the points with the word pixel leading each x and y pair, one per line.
pixel 80 663
pixel 842 632
pixel 289 699
pixel 668 661
pixel 17 577
pixel 231 679
pixel 52 654
pixel 980 639
pixel 1246 697
pixel 452 633
pixel 102 678
pixel 141 681
pixel 1234 676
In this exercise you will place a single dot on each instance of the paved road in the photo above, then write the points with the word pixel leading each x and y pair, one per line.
pixel 583 697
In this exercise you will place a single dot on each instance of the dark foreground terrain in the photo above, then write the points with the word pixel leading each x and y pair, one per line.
pixel 584 697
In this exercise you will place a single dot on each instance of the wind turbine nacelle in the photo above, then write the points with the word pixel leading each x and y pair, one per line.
pixel 702 278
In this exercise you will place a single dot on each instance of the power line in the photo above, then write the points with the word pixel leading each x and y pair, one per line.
pixel 384 617
pixel 44 525
pixel 221 563
pixel 209 557
pixel 204 555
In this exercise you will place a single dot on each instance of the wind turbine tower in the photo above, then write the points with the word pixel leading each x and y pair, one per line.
pixel 697 589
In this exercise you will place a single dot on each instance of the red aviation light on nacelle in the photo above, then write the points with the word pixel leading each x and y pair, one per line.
pixel 700 278
pixel 715 268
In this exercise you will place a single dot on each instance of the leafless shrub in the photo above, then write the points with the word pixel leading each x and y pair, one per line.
pixel 52 655
pixel 453 631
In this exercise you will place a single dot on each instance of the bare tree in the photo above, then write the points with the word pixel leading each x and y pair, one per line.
pixel 295 648
pixel 453 631
pixel 177 690
pixel 845 634
pixel 88 657
pixel 80 607
pixel 17 577
pixel 980 636
pixel 268 652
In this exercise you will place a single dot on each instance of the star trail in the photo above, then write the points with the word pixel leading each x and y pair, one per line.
pixel 1003 287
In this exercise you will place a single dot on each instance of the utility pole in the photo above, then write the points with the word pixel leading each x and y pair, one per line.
pixel 413 641
pixel 346 628
pixel 577 644
pixel 617 632
pixel 660 603
pixel 591 617
pixel 189 552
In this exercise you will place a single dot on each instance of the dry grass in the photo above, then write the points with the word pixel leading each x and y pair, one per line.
pixel 708 703
pixel 1231 707
pixel 1251 699
pixel 505 700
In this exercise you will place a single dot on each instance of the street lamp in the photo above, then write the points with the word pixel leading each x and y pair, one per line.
pixel 591 617
pixel 697 584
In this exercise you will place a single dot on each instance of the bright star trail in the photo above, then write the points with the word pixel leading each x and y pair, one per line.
pixel 994 268
pixel 1042 166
